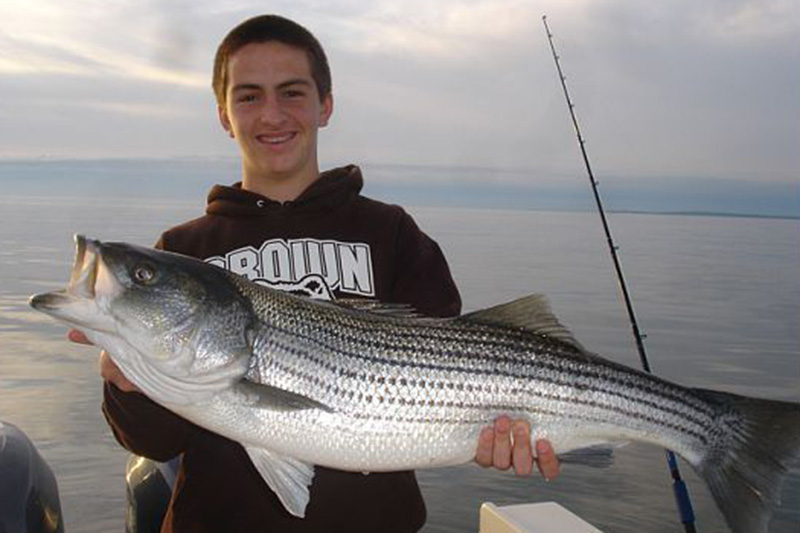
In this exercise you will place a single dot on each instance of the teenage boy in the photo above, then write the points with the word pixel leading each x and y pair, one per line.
pixel 292 227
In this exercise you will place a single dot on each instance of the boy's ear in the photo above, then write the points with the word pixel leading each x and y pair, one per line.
pixel 224 120
pixel 326 110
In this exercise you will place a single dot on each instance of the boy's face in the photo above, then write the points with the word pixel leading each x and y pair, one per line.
pixel 273 110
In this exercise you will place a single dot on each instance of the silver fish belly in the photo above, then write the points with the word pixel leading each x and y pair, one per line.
pixel 416 393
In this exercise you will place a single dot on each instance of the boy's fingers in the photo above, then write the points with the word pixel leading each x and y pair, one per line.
pixel 522 456
pixel 485 448
pixel 501 457
pixel 547 460
pixel 77 336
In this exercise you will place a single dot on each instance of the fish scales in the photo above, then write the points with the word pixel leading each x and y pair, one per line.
pixel 519 390
pixel 299 383
pixel 459 385
pixel 326 341
pixel 454 357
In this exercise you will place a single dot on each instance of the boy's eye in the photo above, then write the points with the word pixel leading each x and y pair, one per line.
pixel 245 98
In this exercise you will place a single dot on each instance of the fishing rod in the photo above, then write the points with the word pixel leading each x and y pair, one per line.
pixel 682 499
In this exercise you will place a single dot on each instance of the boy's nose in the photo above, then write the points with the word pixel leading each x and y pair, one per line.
pixel 272 113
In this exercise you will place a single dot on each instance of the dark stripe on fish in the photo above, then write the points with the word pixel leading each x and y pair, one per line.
pixel 699 430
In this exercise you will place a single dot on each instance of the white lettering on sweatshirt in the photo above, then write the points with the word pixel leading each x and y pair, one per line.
pixel 342 266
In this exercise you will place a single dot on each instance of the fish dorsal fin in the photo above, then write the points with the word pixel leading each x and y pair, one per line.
pixel 532 313
pixel 380 308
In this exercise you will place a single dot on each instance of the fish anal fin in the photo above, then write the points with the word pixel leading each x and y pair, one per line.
pixel 288 478
pixel 532 313
pixel 598 456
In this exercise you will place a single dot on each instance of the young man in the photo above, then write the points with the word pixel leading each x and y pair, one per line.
pixel 292 227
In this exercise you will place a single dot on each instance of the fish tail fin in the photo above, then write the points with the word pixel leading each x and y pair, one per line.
pixel 756 443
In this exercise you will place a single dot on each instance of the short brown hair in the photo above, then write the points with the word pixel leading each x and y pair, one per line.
pixel 265 28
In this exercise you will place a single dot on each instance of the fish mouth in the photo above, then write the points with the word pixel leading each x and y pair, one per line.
pixel 83 277
pixel 82 281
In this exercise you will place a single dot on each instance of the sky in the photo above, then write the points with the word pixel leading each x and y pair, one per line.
pixel 670 89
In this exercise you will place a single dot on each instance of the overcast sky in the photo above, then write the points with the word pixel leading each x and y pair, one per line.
pixel 669 88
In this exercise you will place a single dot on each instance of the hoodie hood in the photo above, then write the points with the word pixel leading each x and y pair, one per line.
pixel 334 188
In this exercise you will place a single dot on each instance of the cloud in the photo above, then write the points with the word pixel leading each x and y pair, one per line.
pixel 452 31
pixel 681 87
pixel 117 40
pixel 750 20
pixel 35 55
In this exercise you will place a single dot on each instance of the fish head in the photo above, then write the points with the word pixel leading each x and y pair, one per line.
pixel 176 326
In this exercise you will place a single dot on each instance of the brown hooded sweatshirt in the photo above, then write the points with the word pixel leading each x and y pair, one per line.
pixel 329 242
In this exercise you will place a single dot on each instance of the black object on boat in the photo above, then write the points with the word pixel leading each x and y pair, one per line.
pixel 148 487
pixel 29 500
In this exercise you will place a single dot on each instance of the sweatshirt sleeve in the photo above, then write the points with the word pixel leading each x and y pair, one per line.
pixel 422 276
pixel 141 425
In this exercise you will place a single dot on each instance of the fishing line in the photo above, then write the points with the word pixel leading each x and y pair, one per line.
pixel 682 499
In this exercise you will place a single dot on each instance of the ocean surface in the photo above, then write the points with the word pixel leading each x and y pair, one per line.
pixel 719 300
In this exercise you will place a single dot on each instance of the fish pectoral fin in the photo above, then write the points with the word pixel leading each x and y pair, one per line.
pixel 532 313
pixel 275 399
pixel 289 478
pixel 598 456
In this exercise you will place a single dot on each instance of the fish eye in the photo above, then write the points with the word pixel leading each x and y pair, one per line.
pixel 143 273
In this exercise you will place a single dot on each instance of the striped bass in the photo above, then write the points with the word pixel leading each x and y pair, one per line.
pixel 367 387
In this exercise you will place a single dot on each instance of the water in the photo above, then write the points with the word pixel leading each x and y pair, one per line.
pixel 718 297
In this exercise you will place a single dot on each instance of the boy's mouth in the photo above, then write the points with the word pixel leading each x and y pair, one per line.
pixel 276 139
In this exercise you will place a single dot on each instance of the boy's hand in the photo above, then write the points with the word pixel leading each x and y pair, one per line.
pixel 108 368
pixel 495 449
